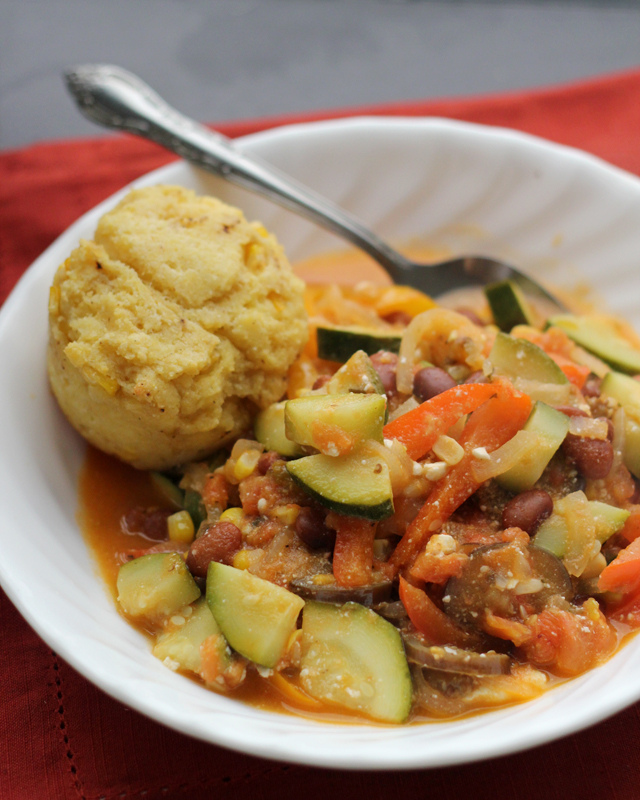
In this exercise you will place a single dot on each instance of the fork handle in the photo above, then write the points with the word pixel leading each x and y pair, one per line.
pixel 115 98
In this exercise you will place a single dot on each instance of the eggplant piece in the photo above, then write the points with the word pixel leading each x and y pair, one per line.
pixel 369 595
pixel 393 610
pixel 489 583
pixel 455 659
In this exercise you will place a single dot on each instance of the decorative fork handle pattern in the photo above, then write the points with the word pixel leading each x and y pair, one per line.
pixel 115 98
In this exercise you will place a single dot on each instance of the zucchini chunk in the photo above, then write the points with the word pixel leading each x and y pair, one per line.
pixel 269 430
pixel 255 616
pixel 529 368
pixel 553 532
pixel 181 643
pixel 309 420
pixel 339 344
pixel 168 489
pixel 508 305
pixel 357 375
pixel 601 338
pixel 626 391
pixel 354 658
pixel 551 427
pixel 357 484
pixel 153 587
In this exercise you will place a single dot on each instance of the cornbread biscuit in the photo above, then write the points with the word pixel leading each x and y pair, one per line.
pixel 172 328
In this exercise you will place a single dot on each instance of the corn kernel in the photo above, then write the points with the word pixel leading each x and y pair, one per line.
pixel 181 527
pixel 287 515
pixel 234 515
pixel 241 560
pixel 54 301
pixel 246 464
pixel 323 580
pixel 110 385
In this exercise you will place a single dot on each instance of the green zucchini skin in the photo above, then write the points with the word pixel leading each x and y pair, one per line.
pixel 354 658
pixel 256 617
pixel 362 416
pixel 339 344
pixel 155 586
pixel 508 305
pixel 357 485
pixel 601 339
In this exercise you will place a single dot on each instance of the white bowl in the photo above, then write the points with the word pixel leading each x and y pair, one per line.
pixel 558 213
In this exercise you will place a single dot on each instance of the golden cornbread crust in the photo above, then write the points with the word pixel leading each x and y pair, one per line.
pixel 170 329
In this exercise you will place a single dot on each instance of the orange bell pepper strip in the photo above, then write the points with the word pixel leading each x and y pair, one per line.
pixel 489 426
pixel 353 550
pixel 631 528
pixel 576 374
pixel 418 429
pixel 623 573
pixel 428 619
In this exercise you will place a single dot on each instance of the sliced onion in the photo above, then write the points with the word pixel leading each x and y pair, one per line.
pixel 619 420
pixel 438 325
pixel 505 457
pixel 408 405
pixel 399 463
pixel 589 427
pixel 581 532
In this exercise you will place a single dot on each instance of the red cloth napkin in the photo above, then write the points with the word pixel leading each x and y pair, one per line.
pixel 60 737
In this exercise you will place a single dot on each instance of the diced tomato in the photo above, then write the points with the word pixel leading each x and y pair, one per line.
pixel 570 643
pixel 623 573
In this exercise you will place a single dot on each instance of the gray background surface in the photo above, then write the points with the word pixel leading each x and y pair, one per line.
pixel 219 60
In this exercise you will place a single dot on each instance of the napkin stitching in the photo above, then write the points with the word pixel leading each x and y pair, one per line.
pixel 188 786
pixel 184 786
pixel 62 729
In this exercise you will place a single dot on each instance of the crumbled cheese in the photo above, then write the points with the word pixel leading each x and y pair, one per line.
pixel 481 453
pixel 435 470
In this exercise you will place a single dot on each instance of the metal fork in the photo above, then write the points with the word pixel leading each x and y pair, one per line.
pixel 115 98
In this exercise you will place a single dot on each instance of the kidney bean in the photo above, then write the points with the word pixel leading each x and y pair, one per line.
pixel 267 460
pixel 220 542
pixel 385 364
pixel 592 387
pixel 430 381
pixel 527 510
pixel 572 411
pixel 311 528
pixel 477 377
pixel 593 457
pixel 148 522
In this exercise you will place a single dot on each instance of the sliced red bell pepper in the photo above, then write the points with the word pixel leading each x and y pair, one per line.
pixel 489 426
pixel 428 619
pixel 418 429
pixel 353 550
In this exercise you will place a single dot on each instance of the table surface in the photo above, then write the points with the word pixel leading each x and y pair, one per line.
pixel 219 60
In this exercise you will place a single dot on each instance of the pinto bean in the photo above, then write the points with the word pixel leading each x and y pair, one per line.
pixel 431 381
pixel 527 510
pixel 593 457
pixel 220 542
pixel 311 528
